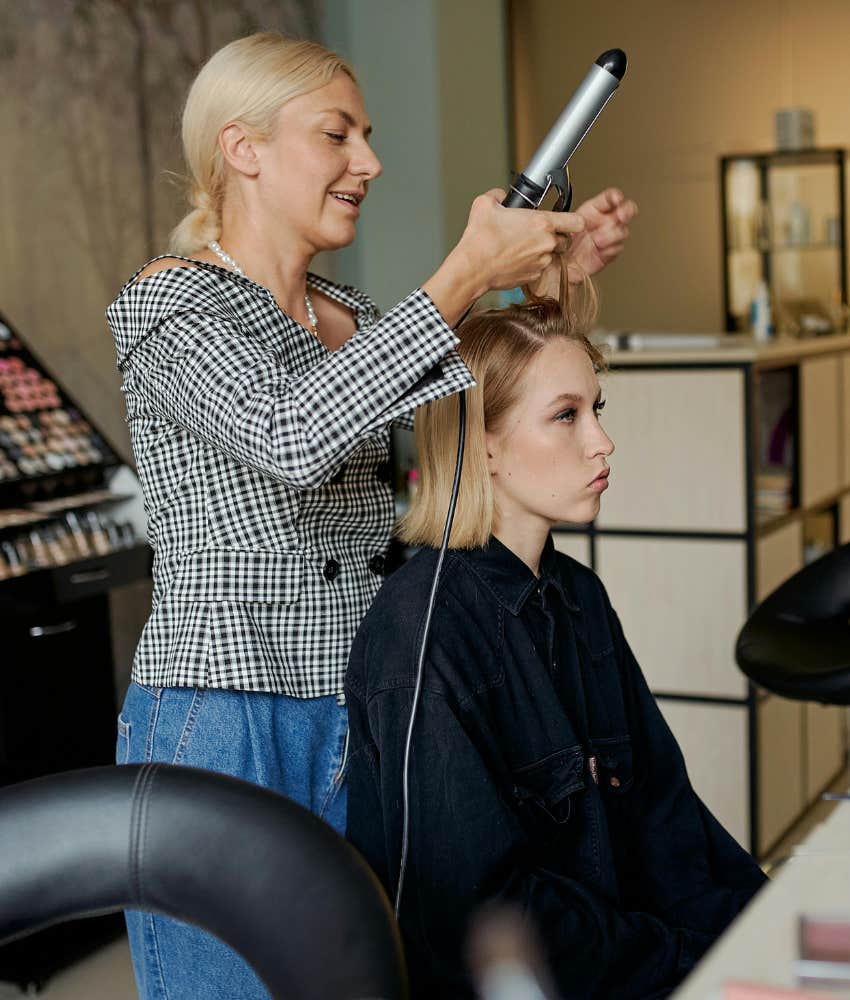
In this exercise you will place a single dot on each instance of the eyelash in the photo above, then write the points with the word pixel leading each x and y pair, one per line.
pixel 336 136
pixel 568 416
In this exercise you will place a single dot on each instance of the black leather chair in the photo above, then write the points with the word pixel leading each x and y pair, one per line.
pixel 797 641
pixel 259 872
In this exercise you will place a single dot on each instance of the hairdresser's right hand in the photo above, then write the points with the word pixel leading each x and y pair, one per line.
pixel 500 248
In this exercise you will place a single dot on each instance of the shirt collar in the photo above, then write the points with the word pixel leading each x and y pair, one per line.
pixel 510 580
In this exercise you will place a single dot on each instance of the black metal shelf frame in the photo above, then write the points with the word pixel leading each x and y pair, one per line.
pixel 765 161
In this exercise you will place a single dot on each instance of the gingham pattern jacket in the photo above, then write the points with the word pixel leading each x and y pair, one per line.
pixel 263 459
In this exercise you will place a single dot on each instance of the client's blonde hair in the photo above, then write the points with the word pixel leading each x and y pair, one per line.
pixel 248 81
pixel 496 345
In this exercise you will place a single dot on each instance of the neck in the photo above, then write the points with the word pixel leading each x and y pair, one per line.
pixel 275 260
pixel 525 538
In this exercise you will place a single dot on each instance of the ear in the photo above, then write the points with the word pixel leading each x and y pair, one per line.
pixel 491 441
pixel 238 149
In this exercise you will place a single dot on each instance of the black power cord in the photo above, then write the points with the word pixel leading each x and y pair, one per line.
pixel 423 649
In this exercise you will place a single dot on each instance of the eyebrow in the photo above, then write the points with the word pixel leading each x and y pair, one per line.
pixel 349 118
pixel 573 397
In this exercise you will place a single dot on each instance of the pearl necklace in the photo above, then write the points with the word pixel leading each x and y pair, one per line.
pixel 224 256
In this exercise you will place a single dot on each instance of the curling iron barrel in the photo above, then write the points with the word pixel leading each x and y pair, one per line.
pixel 547 165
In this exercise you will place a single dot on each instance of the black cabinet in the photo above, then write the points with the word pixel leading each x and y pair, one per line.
pixel 57 713
pixel 71 520
pixel 58 692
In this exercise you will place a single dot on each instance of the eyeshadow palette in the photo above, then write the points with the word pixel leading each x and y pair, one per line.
pixel 44 439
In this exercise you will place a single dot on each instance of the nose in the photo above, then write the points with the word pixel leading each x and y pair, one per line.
pixel 365 163
pixel 601 444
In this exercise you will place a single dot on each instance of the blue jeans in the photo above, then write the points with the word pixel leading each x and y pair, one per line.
pixel 294 746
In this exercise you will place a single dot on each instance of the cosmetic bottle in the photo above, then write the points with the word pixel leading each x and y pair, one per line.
pixel 77 533
pixel 760 317
pixel 13 559
pixel 55 548
pixel 97 534
pixel 40 555
pixel 128 534
pixel 412 483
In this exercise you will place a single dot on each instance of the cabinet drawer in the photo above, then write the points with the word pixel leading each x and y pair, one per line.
pixel 778 556
pixel 845 419
pixel 713 741
pixel 74 581
pixel 820 438
pixel 99 574
pixel 826 745
pixel 780 767
pixel 660 479
pixel 682 603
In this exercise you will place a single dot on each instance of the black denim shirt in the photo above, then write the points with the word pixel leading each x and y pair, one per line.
pixel 543 774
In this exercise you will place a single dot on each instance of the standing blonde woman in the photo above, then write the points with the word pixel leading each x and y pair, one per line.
pixel 259 398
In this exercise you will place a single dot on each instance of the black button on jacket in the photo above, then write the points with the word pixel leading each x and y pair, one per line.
pixel 543 774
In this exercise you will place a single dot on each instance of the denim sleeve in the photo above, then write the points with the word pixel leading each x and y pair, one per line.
pixel 685 865
pixel 467 846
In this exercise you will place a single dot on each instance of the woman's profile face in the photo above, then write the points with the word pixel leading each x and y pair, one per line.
pixel 548 457
pixel 316 168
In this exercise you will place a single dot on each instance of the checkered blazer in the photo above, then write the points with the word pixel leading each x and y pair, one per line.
pixel 263 459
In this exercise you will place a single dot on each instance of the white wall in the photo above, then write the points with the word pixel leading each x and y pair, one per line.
pixel 434 78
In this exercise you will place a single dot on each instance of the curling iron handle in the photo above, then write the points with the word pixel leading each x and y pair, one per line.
pixel 515 200
pixel 523 193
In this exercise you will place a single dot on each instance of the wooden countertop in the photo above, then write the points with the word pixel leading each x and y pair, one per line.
pixel 701 348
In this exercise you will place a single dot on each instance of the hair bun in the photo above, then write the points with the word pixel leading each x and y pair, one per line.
pixel 202 200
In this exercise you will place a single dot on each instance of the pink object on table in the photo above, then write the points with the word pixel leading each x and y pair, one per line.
pixel 755 991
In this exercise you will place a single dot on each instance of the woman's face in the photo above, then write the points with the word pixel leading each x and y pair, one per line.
pixel 548 458
pixel 315 170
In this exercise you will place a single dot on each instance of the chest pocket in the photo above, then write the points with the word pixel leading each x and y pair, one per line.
pixel 543 790
pixel 615 766
pixel 560 815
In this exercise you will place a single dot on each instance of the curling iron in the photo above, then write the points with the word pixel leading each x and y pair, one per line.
pixel 548 166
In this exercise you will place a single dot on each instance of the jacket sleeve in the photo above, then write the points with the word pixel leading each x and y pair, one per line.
pixel 206 373
pixel 467 846
pixel 685 865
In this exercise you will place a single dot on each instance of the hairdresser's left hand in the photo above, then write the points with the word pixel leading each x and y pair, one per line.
pixel 607 217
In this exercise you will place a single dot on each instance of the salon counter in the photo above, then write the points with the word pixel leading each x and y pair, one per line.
pixel 639 348
pixel 762 945
pixel 731 470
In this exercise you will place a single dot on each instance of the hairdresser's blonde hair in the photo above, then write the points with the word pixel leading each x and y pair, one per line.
pixel 247 81
pixel 496 345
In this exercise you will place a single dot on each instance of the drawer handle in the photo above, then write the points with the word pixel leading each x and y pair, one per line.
pixel 90 575
pixel 41 630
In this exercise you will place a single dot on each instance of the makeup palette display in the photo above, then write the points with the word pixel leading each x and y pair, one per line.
pixel 47 447
pixel 58 499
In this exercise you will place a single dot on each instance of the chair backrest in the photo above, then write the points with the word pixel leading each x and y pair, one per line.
pixel 256 870
pixel 797 641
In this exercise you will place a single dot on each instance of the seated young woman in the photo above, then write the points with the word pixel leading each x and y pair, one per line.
pixel 543 774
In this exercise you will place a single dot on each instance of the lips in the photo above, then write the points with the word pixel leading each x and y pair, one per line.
pixel 349 197
pixel 601 481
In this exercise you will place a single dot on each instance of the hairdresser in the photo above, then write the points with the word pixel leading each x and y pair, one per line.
pixel 259 398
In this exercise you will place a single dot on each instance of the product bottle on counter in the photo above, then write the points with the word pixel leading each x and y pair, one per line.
pixel 412 483
pixel 760 316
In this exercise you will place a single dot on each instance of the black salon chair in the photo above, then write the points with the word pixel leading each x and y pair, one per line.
pixel 797 642
pixel 249 866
